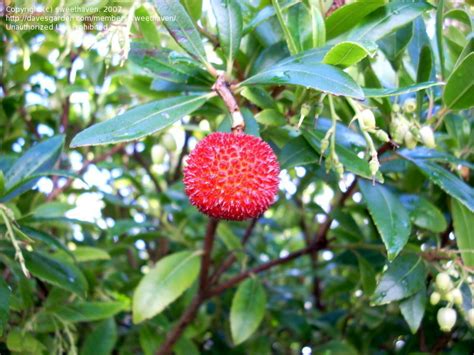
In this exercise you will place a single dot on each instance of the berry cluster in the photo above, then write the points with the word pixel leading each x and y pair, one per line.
pixel 445 290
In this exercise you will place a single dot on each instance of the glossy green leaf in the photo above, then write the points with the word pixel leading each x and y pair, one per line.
pixel 140 121
pixel 4 304
pixel 425 65
pixel 424 214
pixel 193 7
pixel 297 152
pixel 459 90
pixel 181 27
pixel 348 53
pixel 404 277
pixel 163 284
pixel 463 221
pixel 23 342
pixel 349 15
pixel 259 97
pixel 389 216
pixel 37 159
pixel 413 309
pixel 267 13
pixel 247 310
pixel 229 26
pixel 320 77
pixel 148 28
pixel 384 92
pixel 270 117
pixel 348 157
pixel 89 311
pixel 318 26
pixel 387 19
pixel 101 340
pixel 367 275
pixel 448 182
pixel 87 253
pixel 394 44
pixel 57 272
pixel 439 37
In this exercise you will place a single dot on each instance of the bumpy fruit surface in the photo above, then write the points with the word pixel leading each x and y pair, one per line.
pixel 232 176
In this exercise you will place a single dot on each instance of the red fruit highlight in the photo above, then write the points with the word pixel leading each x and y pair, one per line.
pixel 232 176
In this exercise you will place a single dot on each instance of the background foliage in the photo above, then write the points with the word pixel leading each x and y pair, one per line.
pixel 95 125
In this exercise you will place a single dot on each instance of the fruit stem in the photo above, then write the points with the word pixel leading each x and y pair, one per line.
pixel 222 87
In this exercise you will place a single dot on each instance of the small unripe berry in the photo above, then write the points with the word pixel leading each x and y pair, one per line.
pixel 410 140
pixel 443 281
pixel 457 296
pixel 446 319
pixel 427 137
pixel 470 317
pixel 374 165
pixel 158 154
pixel 324 144
pixel 396 108
pixel 367 120
pixel 232 176
pixel 435 298
pixel 409 105
pixel 448 297
pixel 398 128
pixel 382 135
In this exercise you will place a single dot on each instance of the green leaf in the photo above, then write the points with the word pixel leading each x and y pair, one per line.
pixel 148 28
pixel 89 311
pixel 193 7
pixel 297 152
pixel 87 253
pixel 181 27
pixel 259 97
pixel 288 34
pixel 404 277
pixel 348 157
pixel 37 159
pixel 163 284
pixel 2 183
pixel 367 275
pixel 318 26
pixel 270 117
pixel 102 339
pixel 459 90
pixel 20 341
pixel 394 44
pixel 389 216
pixel 267 13
pixel 229 26
pixel 448 182
pixel 57 272
pixel 320 77
pixel 439 37
pixel 424 214
pixel 4 304
pixel 425 65
pixel 463 221
pixel 413 309
pixel 347 16
pixel 247 310
pixel 348 53
pixel 384 92
pixel 387 19
pixel 140 121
